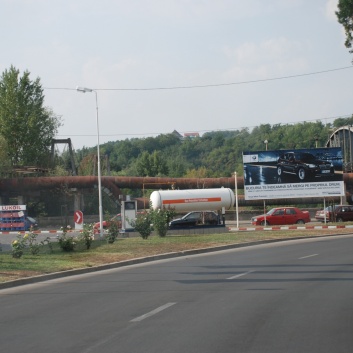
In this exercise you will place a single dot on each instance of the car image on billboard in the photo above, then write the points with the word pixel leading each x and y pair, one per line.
pixel 304 165
pixel 293 173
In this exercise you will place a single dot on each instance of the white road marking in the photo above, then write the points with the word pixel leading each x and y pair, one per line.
pixel 305 257
pixel 153 312
pixel 240 275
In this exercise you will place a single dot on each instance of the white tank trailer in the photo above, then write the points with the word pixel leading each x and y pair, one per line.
pixel 193 199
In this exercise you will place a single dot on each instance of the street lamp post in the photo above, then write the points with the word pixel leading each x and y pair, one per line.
pixel 266 143
pixel 84 90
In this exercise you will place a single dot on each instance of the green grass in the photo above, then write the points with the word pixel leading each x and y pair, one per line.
pixel 128 248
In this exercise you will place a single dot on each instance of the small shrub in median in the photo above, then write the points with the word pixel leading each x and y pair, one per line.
pixel 87 235
pixel 142 224
pixel 18 245
pixel 66 242
pixel 161 219
pixel 31 239
pixel 28 241
pixel 113 232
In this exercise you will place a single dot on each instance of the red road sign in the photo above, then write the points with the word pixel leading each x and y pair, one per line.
pixel 78 217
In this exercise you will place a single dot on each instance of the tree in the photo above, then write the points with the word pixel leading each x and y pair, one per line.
pixel 25 124
pixel 5 163
pixel 151 164
pixel 345 18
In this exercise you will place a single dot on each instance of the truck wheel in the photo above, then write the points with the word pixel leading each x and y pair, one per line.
pixel 279 171
pixel 339 219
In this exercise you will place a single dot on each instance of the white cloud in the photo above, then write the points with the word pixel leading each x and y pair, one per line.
pixel 272 57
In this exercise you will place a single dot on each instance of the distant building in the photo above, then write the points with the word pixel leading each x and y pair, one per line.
pixel 191 135
pixel 176 133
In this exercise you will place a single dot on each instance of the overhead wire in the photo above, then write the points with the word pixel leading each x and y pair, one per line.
pixel 208 85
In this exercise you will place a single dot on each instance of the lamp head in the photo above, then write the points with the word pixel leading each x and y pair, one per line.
pixel 83 89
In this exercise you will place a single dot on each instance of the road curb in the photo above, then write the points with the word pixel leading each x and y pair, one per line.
pixel 271 228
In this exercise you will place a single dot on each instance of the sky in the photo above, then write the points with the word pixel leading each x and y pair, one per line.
pixel 186 65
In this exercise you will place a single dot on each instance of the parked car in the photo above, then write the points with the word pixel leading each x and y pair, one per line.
pixel 337 213
pixel 282 216
pixel 30 223
pixel 196 218
pixel 320 215
pixel 116 218
pixel 304 165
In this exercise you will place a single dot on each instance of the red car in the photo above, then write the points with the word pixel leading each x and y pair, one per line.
pixel 282 216
pixel 337 213
pixel 116 218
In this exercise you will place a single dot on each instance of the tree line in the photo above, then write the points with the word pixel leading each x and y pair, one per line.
pixel 214 154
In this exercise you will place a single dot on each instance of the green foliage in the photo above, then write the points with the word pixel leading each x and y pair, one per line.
pixel 28 241
pixel 345 18
pixel 142 224
pixel 66 242
pixel 18 246
pixel 25 124
pixel 33 245
pixel 113 232
pixel 36 208
pixel 161 219
pixel 151 164
pixel 5 161
pixel 215 154
pixel 87 235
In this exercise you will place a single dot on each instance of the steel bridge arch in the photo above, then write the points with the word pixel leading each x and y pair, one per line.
pixel 343 137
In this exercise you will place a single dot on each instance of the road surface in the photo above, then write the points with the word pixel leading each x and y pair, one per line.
pixel 293 296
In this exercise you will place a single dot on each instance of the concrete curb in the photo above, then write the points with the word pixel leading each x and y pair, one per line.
pixel 55 275
pixel 37 231
pixel 271 228
pixel 230 228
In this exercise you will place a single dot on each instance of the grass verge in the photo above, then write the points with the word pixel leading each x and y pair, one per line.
pixel 129 248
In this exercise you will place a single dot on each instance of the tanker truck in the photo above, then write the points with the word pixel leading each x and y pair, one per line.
pixel 194 201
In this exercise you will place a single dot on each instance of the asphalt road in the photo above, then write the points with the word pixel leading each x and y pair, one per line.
pixel 293 296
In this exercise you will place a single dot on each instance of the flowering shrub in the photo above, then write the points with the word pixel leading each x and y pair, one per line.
pixel 113 232
pixel 31 239
pixel 18 246
pixel 87 235
pixel 161 219
pixel 66 242
pixel 142 224
pixel 28 240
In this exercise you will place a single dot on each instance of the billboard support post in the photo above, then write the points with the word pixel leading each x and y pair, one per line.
pixel 265 210
pixel 236 198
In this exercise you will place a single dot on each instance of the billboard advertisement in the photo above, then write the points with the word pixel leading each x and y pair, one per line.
pixel 293 173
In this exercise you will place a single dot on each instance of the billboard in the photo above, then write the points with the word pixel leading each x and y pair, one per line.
pixel 293 173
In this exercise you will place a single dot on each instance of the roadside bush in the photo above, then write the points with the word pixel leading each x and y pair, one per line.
pixel 113 232
pixel 66 242
pixel 31 239
pixel 18 245
pixel 161 219
pixel 142 224
pixel 28 240
pixel 87 235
